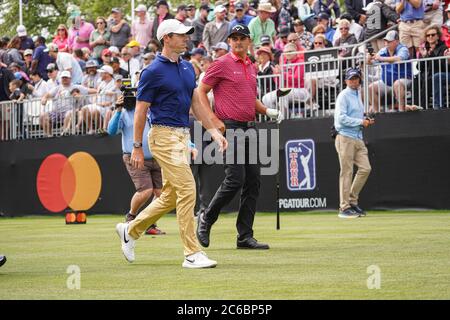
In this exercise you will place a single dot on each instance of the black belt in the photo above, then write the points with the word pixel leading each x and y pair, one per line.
pixel 243 124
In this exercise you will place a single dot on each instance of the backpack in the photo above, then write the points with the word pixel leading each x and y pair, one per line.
pixel 6 57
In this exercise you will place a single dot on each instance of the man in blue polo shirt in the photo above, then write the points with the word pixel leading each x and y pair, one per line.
pixel 396 74
pixel 41 59
pixel 167 86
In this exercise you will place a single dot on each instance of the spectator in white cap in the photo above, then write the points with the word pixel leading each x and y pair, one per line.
pixel 128 62
pixel 148 58
pixel 115 52
pixel 62 103
pixel 216 31
pixel 66 62
pixel 141 28
pixel 395 74
pixel 28 58
pixel 97 115
pixel 25 41
pixel 220 50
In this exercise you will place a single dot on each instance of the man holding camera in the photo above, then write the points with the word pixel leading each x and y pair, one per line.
pixel 147 180
pixel 349 122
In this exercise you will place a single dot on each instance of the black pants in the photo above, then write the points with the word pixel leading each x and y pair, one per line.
pixel 199 171
pixel 245 177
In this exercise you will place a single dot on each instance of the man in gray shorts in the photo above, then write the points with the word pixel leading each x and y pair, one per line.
pixel 147 180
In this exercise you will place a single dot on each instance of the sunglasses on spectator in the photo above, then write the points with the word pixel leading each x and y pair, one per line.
pixel 236 38
pixel 61 29
pixel 431 34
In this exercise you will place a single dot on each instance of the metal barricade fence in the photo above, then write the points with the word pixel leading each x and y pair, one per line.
pixel 386 87
pixel 314 83
pixel 71 114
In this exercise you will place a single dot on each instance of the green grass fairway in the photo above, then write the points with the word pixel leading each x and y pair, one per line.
pixel 313 256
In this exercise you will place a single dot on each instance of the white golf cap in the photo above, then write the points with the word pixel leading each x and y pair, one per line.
pixel 114 49
pixel 21 31
pixel 391 36
pixel 65 74
pixel 220 8
pixel 141 8
pixel 172 26
pixel 220 45
pixel 107 69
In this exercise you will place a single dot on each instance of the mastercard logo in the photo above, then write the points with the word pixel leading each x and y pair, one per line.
pixel 73 182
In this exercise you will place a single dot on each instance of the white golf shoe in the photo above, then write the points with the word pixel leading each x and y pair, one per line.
pixel 126 240
pixel 198 260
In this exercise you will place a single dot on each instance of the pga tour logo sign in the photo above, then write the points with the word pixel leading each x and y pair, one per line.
pixel 301 165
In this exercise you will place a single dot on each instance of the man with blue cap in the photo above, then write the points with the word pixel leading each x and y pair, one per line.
pixel 349 122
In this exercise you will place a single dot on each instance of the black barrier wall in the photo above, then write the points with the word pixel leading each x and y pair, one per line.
pixel 409 154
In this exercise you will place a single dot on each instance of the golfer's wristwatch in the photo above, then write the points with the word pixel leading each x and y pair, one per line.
pixel 137 144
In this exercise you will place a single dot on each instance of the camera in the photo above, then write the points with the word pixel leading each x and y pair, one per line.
pixel 129 95
pixel 370 116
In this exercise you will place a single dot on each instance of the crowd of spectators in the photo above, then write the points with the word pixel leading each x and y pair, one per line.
pixel 93 57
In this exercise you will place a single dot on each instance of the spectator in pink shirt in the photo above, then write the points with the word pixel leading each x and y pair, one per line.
pixel 294 73
pixel 141 28
pixel 79 34
pixel 62 38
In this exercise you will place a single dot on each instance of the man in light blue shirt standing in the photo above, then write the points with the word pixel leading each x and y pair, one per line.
pixel 349 122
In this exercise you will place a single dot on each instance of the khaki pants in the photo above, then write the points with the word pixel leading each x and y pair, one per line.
pixel 170 149
pixel 411 34
pixel 351 152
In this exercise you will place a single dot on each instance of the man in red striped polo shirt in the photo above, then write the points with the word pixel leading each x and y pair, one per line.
pixel 233 80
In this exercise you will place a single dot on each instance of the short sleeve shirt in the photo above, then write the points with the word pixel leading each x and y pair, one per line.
pixel 120 39
pixel 233 82
pixel 168 86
